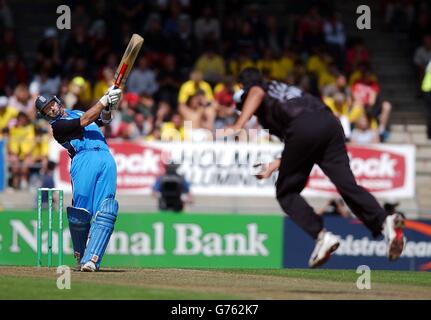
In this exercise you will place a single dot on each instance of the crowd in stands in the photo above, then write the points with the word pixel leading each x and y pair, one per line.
pixel 416 22
pixel 186 71
pixel 413 17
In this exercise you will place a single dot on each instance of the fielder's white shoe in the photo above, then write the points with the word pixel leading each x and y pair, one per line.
pixel 393 231
pixel 89 267
pixel 326 244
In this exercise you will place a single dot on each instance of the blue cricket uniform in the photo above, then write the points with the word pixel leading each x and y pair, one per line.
pixel 93 169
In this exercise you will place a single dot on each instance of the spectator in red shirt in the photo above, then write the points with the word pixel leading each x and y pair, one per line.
pixel 366 89
pixel 357 55
pixel 225 111
pixel 365 92
pixel 310 30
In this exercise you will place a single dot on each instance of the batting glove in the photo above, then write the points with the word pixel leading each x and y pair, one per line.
pixel 111 98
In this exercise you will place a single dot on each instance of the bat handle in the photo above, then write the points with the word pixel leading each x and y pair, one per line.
pixel 108 107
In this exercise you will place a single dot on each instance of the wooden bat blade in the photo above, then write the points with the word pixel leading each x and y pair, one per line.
pixel 128 60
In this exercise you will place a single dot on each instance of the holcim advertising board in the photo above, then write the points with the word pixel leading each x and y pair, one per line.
pixel 225 169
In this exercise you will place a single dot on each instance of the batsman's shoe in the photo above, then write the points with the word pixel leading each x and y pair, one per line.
pixel 393 231
pixel 326 244
pixel 90 266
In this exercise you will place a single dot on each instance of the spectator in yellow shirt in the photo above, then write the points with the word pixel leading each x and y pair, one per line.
pixel 340 106
pixel 41 148
pixel 211 65
pixel 267 65
pixel 79 93
pixel 426 88
pixel 329 76
pixel 173 130
pixel 104 83
pixel 8 115
pixel 317 62
pixel 284 65
pixel 20 145
pixel 155 135
pixel 238 64
pixel 190 87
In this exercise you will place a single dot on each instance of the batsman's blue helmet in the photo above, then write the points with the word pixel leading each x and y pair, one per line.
pixel 42 101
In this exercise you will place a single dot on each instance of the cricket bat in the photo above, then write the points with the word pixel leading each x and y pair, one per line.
pixel 127 61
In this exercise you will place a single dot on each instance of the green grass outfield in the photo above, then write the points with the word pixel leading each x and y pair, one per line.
pixel 379 276
pixel 159 284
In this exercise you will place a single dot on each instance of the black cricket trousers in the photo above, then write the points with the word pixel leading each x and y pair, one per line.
pixel 318 138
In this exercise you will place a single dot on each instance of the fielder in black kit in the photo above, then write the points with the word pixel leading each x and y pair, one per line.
pixel 312 135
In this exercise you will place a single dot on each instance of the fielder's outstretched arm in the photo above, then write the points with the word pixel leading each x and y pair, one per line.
pixel 251 104
pixel 268 169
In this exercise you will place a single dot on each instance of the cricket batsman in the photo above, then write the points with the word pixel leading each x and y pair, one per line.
pixel 312 135
pixel 93 172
